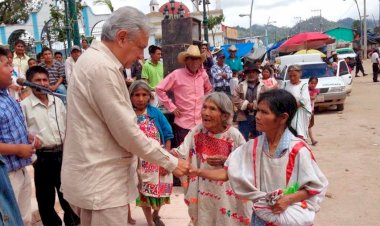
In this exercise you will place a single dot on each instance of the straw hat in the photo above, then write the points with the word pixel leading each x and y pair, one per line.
pixel 216 50
pixel 192 51
pixel 232 48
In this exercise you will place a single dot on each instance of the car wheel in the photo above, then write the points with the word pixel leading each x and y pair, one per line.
pixel 340 107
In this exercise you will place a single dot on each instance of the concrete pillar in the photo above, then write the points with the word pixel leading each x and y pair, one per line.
pixel 86 22
pixel 3 37
pixel 36 33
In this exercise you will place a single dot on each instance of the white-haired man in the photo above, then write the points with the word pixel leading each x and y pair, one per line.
pixel 98 172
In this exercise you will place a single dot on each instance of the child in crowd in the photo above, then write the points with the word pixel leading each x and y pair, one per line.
pixel 313 91
pixel 32 62
pixel 155 183
pixel 267 78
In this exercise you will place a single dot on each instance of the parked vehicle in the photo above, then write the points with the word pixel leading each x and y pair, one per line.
pixel 332 87
pixel 343 53
pixel 343 72
pixel 342 69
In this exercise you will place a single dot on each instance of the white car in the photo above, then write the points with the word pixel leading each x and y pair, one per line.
pixel 344 72
pixel 332 87
pixel 345 52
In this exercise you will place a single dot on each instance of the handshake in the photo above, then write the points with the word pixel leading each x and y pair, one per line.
pixel 184 166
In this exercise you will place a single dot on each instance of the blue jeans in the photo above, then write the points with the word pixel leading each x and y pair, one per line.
pixel 249 127
pixel 62 90
pixel 9 212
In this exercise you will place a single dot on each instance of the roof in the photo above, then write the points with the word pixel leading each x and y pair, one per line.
pixel 341 34
pixel 153 2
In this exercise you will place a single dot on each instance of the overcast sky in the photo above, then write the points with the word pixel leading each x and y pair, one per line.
pixel 284 12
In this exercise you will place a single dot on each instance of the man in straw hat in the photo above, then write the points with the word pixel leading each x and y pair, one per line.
pixel 102 136
pixel 245 98
pixel 233 61
pixel 189 85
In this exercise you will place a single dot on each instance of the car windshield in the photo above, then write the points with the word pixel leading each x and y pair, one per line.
pixel 316 70
pixel 344 51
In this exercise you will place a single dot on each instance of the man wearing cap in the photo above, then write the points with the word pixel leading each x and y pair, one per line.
pixel 245 98
pixel 233 61
pixel 221 74
pixel 189 85
pixel 76 51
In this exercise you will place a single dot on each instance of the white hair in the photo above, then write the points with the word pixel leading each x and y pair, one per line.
pixel 224 103
pixel 129 18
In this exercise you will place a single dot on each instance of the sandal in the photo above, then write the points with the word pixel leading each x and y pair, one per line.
pixel 157 221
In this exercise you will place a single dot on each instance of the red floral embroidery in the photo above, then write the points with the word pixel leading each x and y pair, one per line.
pixel 235 216
pixel 210 146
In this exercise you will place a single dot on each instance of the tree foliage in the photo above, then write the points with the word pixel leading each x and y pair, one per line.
pixel 17 11
pixel 56 29
pixel 213 21
pixel 108 3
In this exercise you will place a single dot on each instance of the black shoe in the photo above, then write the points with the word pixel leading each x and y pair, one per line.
pixel 357 76
pixel 365 74
pixel 376 81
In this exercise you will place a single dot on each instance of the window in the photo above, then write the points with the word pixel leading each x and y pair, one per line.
pixel 343 69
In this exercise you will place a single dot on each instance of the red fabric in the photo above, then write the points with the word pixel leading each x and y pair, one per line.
pixel 255 141
pixel 305 40
pixel 210 146
pixel 292 157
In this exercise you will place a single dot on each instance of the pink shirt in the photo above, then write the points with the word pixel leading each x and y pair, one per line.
pixel 189 90
pixel 313 94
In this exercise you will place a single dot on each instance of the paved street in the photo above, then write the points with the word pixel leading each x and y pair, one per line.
pixel 349 154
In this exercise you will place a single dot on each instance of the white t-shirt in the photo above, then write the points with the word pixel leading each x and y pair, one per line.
pixel 375 58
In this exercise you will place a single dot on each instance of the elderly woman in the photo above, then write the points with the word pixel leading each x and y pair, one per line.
pixel 207 146
pixel 300 91
pixel 276 170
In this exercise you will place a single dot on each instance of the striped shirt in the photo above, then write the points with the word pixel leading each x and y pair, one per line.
pixel 12 129
pixel 216 70
pixel 55 71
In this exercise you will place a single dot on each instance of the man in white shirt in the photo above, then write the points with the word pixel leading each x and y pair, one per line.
pixel 375 64
pixel 102 137
pixel 76 51
pixel 45 116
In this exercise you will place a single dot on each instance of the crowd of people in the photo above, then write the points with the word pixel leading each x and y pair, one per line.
pixel 238 143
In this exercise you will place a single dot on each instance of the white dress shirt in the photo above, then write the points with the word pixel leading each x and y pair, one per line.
pixel 47 122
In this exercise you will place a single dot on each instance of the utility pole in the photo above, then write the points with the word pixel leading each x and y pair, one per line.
pixel 250 22
pixel 365 29
pixel 74 20
pixel 320 17
pixel 67 26
pixel 205 22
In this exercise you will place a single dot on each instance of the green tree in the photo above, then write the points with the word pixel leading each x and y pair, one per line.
pixel 213 21
pixel 17 11
pixel 108 3
pixel 356 25
pixel 56 29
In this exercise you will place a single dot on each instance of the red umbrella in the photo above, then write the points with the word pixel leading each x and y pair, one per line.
pixel 305 40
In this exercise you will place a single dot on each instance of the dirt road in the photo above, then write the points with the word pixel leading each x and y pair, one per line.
pixel 349 154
